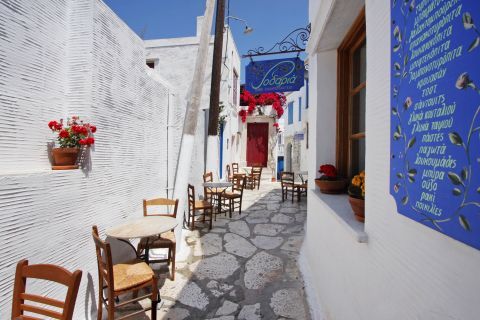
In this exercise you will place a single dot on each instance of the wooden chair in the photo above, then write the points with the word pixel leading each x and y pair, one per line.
pixel 234 199
pixel 120 279
pixel 229 174
pixel 235 168
pixel 166 240
pixel 287 180
pixel 48 272
pixel 197 205
pixel 253 180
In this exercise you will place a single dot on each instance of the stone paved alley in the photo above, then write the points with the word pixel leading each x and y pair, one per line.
pixel 245 267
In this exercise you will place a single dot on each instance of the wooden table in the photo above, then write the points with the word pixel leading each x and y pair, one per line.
pixel 218 188
pixel 144 227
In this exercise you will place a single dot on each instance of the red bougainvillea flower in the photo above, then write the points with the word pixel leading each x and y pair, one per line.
pixel 82 142
pixel 93 129
pixel 328 170
pixel 276 125
pixel 90 141
pixel 64 134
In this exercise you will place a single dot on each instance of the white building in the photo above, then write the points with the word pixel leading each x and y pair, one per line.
pixel 391 267
pixel 294 131
pixel 174 60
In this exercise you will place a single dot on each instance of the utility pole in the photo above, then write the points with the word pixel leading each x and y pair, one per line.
pixel 213 112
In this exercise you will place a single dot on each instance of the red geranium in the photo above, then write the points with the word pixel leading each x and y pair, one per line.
pixel 329 171
pixel 75 134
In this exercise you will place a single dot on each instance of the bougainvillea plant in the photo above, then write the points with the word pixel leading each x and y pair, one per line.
pixel 74 134
pixel 328 172
pixel 257 103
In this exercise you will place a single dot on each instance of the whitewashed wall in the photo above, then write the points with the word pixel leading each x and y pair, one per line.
pixel 404 270
pixel 175 60
pixel 59 58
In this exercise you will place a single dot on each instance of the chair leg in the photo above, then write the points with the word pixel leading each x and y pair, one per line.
pixel 111 309
pixel 193 221
pixel 230 209
pixel 240 209
pixel 100 302
pixel 154 299
pixel 173 250
pixel 293 194
pixel 211 219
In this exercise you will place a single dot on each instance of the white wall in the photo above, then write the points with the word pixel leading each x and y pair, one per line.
pixel 405 270
pixel 59 58
pixel 174 61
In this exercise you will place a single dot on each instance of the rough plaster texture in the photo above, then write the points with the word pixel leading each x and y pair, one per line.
pixel 59 58
pixel 405 271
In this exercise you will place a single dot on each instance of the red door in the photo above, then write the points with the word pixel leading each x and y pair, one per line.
pixel 257 144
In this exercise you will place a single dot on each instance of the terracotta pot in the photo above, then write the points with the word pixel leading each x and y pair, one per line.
pixel 65 156
pixel 273 179
pixel 358 207
pixel 331 186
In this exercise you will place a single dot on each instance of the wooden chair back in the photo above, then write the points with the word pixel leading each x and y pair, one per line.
pixel 235 168
pixel 104 262
pixel 239 183
pixel 191 198
pixel 229 173
pixel 287 177
pixel 160 202
pixel 47 272
pixel 208 177
pixel 257 171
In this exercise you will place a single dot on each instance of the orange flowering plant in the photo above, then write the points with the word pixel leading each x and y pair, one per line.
pixel 357 186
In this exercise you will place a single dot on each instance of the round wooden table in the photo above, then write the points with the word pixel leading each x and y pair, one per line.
pixel 144 227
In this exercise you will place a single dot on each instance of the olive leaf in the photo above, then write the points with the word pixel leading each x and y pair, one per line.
pixel 474 44
pixel 456 192
pixel 400 175
pixel 467 20
pixel 435 223
pixel 397 47
pixel 411 142
pixel 464 222
pixel 394 111
pixel 397 34
pixel 396 135
pixel 397 66
pixel 454 178
pixel 478 189
pixel 405 200
pixel 464 174
pixel 412 172
pixel 411 179
pixel 399 129
pixel 405 60
pixel 455 138
pixel 412 6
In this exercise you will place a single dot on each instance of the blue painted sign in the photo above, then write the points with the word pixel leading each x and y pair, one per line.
pixel 279 75
pixel 435 123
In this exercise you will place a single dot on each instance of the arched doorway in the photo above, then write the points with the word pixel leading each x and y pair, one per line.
pixel 288 158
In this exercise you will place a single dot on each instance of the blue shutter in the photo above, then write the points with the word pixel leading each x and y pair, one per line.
pixel 299 108
pixel 290 113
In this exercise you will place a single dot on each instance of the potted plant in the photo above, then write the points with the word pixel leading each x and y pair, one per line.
pixel 329 182
pixel 356 192
pixel 71 137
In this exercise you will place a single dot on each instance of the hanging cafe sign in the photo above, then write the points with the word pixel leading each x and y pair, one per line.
pixel 435 122
pixel 279 75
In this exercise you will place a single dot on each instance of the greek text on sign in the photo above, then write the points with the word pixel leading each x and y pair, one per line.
pixel 280 75
pixel 435 108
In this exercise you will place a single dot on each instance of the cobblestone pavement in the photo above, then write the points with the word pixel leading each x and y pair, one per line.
pixel 245 267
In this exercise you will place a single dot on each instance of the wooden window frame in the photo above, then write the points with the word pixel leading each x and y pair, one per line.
pixel 355 37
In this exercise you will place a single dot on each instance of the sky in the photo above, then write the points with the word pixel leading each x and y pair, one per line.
pixel 271 20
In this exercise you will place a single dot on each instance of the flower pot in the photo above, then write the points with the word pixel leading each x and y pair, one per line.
pixel 65 158
pixel 331 186
pixel 358 207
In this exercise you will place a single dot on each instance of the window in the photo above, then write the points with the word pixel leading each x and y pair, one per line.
pixel 351 100
pixel 290 112
pixel 299 108
pixel 151 64
pixel 235 87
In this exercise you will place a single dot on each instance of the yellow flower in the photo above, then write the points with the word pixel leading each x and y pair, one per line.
pixel 357 181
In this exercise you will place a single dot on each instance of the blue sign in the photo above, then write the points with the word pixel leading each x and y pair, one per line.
pixel 280 75
pixel 435 123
